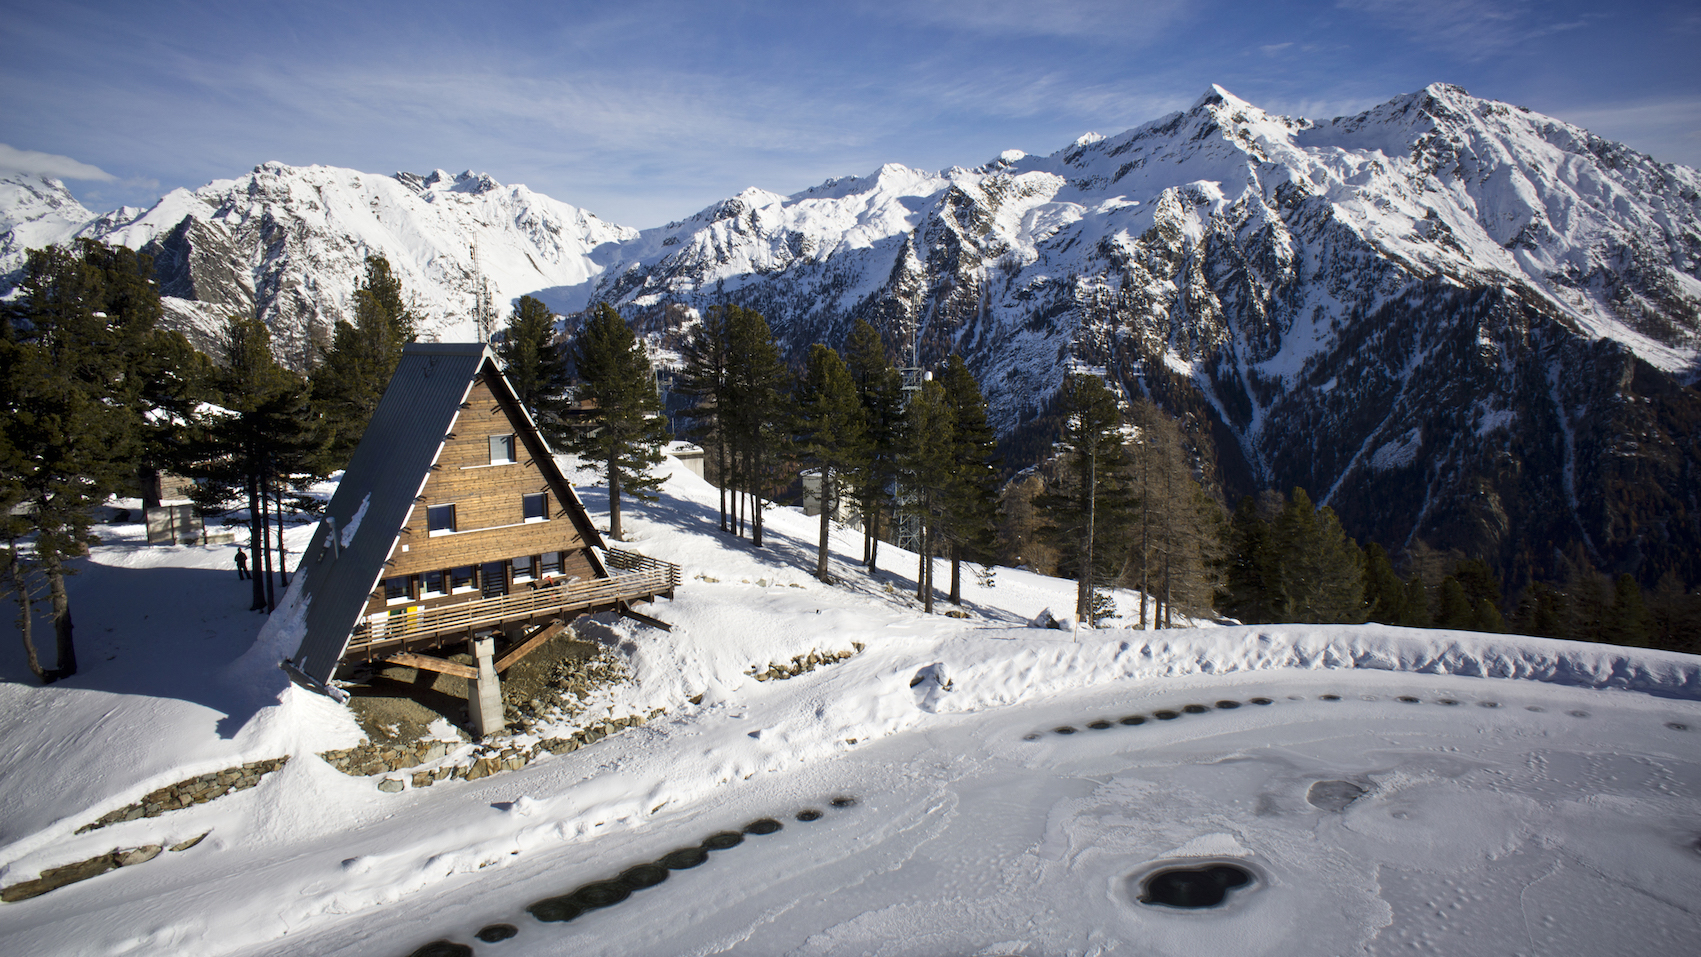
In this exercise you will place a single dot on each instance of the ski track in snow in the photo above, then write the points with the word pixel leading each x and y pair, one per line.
pixel 977 826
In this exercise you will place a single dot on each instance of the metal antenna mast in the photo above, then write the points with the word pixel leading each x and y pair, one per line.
pixel 484 309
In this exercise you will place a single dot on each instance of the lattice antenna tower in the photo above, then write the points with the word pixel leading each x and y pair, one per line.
pixel 484 308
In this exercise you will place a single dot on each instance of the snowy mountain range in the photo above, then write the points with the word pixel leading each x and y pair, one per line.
pixel 1457 321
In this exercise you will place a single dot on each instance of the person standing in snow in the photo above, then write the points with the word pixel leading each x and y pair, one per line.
pixel 242 565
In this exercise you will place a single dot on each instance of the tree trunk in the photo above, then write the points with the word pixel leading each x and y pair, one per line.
pixel 66 665
pixel 265 554
pixel 1084 584
pixel 613 500
pixel 926 573
pixel 826 503
pixel 147 477
pixel 722 479
pixel 26 619
pixel 956 574
pixel 283 552
pixel 755 502
pixel 873 521
pixel 256 547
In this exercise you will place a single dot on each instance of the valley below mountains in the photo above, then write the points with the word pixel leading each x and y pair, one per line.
pixel 1462 324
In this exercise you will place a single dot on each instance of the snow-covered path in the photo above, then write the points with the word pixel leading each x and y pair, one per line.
pixel 1554 806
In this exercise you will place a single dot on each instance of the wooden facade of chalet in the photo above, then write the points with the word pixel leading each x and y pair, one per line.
pixel 453 522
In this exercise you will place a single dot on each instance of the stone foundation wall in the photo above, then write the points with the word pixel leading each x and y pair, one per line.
pixel 196 790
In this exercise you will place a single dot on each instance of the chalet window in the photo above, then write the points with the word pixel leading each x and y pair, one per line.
pixel 398 589
pixel 536 506
pixel 441 519
pixel 433 583
pixel 501 449
pixel 461 579
pixel 493 576
pixel 522 568
pixel 549 563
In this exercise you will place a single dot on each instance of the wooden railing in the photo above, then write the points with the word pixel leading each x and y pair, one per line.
pixel 632 576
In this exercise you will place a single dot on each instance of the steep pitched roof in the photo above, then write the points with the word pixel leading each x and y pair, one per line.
pixel 387 473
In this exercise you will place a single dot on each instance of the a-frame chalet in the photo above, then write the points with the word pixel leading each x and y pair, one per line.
pixel 453 525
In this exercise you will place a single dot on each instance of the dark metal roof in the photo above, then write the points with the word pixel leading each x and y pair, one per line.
pixel 383 479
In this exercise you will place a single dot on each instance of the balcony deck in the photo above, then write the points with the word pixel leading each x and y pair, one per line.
pixel 635 578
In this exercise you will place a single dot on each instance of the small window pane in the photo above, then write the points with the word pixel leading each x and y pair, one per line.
pixel 396 589
pixel 441 518
pixel 501 449
pixel 493 576
pixel 536 506
pixel 522 567
pixel 432 583
pixel 461 579
pixel 549 563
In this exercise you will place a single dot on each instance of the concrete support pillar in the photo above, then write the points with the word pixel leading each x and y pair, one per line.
pixel 484 694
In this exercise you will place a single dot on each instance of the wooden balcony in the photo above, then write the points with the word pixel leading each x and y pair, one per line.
pixel 634 577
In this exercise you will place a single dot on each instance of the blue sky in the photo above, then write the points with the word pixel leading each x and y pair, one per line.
pixel 647 111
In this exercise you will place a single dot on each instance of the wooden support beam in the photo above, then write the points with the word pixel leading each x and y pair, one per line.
pixel 530 645
pixel 428 663
pixel 625 608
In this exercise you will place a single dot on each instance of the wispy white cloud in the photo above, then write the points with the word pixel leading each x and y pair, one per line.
pixel 14 160
pixel 1271 49
pixel 1116 20
pixel 1471 29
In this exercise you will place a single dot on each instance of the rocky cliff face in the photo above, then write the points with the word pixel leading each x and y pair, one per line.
pixel 1456 321
pixel 290 243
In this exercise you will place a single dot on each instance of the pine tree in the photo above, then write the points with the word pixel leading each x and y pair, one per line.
pixel 264 442
pixel 71 393
pixel 755 387
pixel 1252 583
pixel 926 472
pixel 879 386
pixel 535 362
pixel 705 377
pixel 1176 534
pixel 1320 569
pixel 971 511
pixel 830 432
pixel 627 430
pixel 353 374
pixel 1629 622
pixel 1384 593
pixel 1089 511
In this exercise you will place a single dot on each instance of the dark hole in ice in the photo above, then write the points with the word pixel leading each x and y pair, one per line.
pixel 1099 725
pixel 1488 704
pixel 1194 708
pixel 1065 729
pixel 1193 886
pixel 766 825
pixel 643 875
pixel 1228 705
pixel 1133 719
pixel 1578 714
pixel 684 858
pixel 601 894
pixel 443 948
pixel 809 814
pixel 722 840
pixel 1367 697
pixel 1166 715
pixel 1448 702
pixel 1330 697
pixel 1262 701
pixel 1677 726
pixel 1333 795
pixel 844 802
pixel 1534 707
pixel 553 909
pixel 1408 699
pixel 1035 736
pixel 496 933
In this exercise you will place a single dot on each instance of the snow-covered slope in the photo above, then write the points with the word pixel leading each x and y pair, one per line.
pixel 980 786
pixel 290 243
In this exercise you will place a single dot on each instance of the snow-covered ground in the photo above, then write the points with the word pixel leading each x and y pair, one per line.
pixel 1533 796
